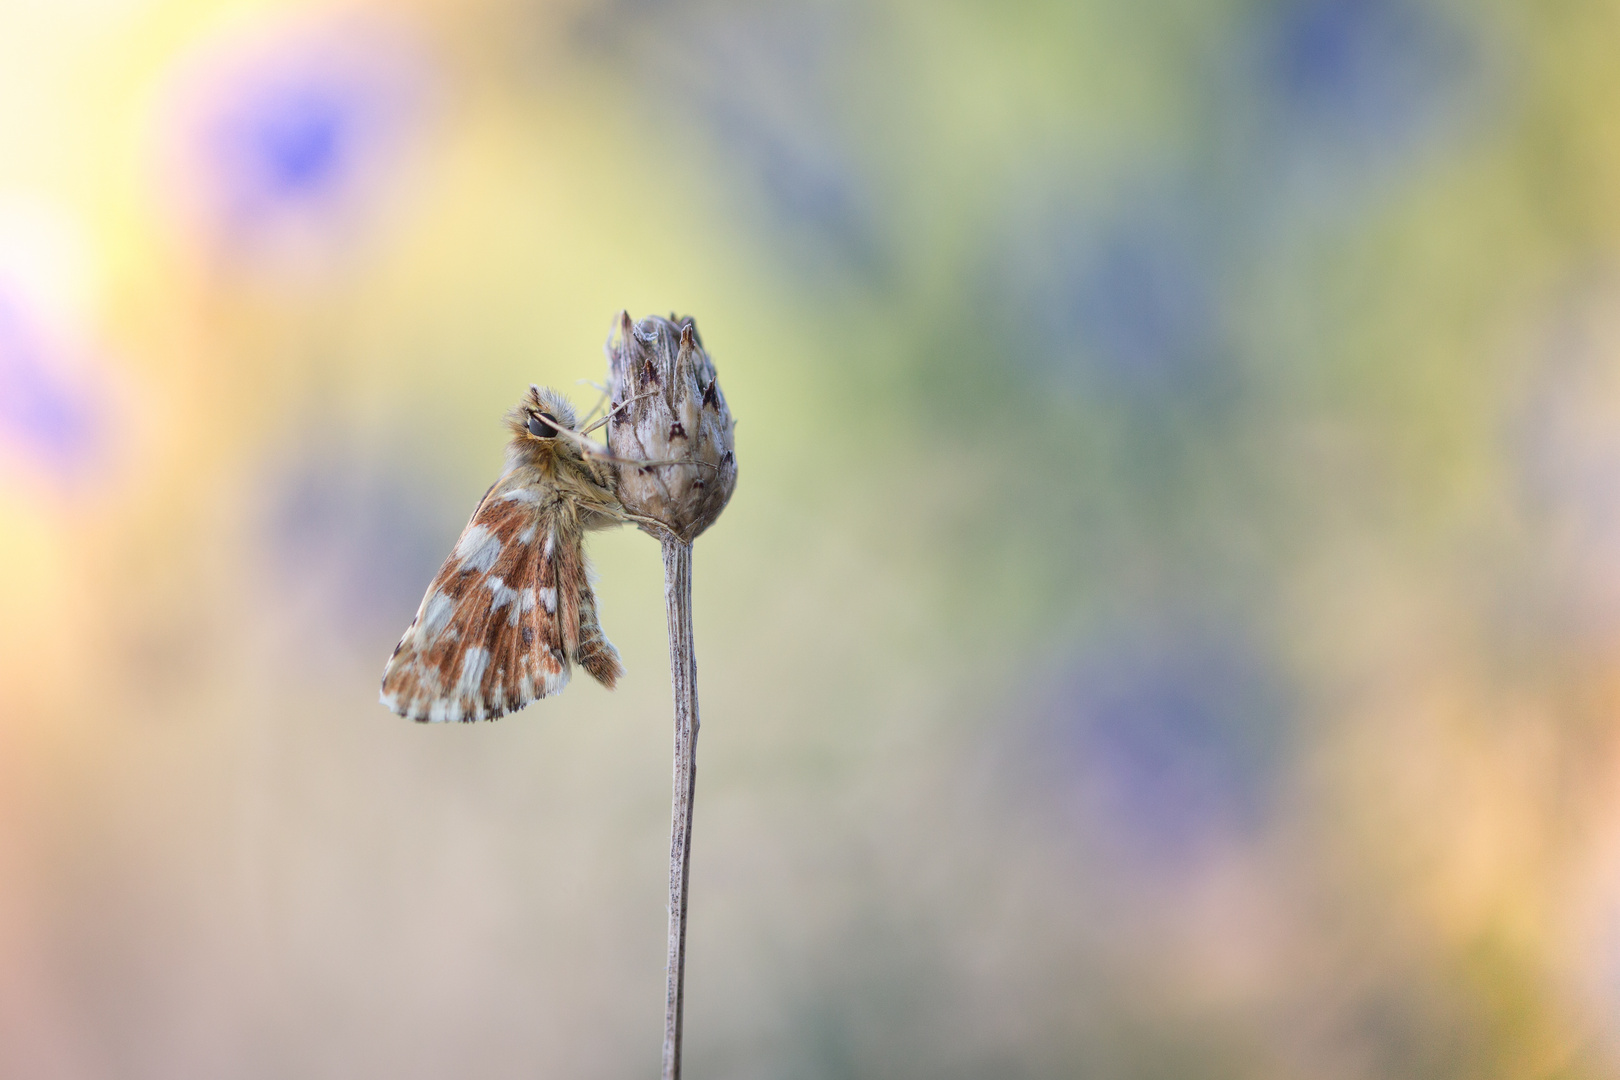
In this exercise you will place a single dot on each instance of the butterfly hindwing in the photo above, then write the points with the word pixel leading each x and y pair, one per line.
pixel 583 640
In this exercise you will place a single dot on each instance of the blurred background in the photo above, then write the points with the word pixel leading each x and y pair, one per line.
pixel 1168 624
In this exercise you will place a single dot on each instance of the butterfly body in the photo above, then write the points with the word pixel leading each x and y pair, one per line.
pixel 512 610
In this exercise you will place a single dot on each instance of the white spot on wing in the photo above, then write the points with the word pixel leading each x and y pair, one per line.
pixel 473 663
pixel 545 549
pixel 548 597
pixel 500 595
pixel 521 494
pixel 478 549
pixel 427 677
pixel 436 611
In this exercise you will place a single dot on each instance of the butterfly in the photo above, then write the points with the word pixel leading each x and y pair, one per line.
pixel 511 610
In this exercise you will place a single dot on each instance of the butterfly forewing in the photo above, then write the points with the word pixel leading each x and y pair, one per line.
pixel 488 637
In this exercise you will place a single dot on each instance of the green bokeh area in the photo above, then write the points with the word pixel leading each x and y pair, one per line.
pixel 1167 624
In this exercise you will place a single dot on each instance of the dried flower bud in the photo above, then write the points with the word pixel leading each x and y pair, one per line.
pixel 668 411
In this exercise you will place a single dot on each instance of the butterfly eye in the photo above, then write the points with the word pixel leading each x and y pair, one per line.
pixel 543 425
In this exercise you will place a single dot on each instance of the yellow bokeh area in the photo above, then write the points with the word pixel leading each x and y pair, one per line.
pixel 1168 623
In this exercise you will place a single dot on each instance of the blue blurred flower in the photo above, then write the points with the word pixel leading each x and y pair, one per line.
pixel 290 142
pixel 306 128
pixel 766 86
pixel 1139 297
pixel 1367 64
pixel 1124 296
pixel 806 182
pixel 1169 740
pixel 46 416
pixel 1336 93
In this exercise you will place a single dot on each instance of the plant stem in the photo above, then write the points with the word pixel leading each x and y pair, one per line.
pixel 683 678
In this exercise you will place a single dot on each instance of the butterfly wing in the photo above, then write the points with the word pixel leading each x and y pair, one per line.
pixel 488 637
pixel 584 643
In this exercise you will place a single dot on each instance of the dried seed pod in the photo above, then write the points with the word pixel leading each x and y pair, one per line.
pixel 668 411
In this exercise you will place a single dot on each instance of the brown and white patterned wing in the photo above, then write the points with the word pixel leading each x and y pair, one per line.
pixel 583 640
pixel 487 638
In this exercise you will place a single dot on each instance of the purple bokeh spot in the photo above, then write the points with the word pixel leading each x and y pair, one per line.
pixel 306 129
pixel 289 144
pixel 769 85
pixel 1138 296
pixel 1371 71
pixel 805 182
pixel 41 414
pixel 1321 48
pixel 1170 740
pixel 1126 299
pixel 296 143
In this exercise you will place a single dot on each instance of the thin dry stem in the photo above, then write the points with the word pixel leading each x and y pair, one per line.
pixel 683 677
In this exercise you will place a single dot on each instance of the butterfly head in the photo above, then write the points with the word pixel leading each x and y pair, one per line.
pixel 535 423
